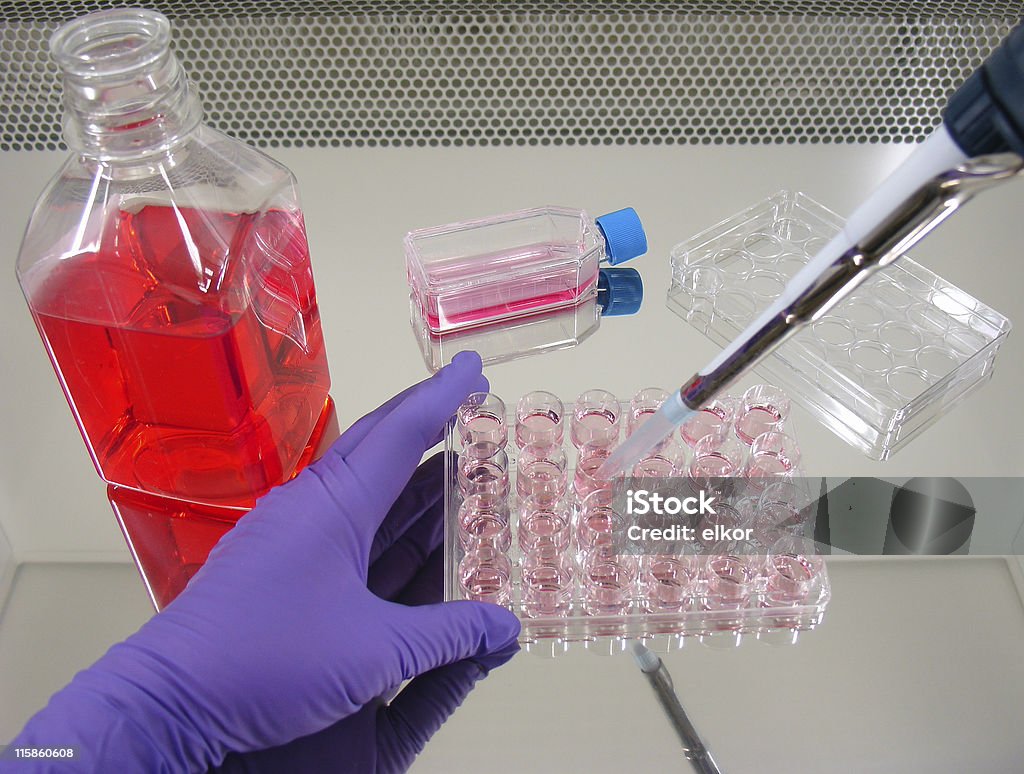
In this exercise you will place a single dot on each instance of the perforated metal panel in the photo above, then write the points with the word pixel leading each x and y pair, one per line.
pixel 351 73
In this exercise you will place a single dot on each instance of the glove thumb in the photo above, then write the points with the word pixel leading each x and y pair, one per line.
pixel 405 726
pixel 436 635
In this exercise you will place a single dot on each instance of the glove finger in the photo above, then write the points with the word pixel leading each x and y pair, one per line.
pixel 363 426
pixel 415 715
pixel 435 635
pixel 401 563
pixel 427 587
pixel 424 490
pixel 384 461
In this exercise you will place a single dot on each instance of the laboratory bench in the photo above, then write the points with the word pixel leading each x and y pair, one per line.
pixel 914 668
pixel 916 664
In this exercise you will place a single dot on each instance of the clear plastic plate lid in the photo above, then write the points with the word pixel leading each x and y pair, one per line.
pixel 878 370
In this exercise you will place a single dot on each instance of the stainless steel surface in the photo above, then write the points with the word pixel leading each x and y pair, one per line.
pixel 915 669
pixel 917 665
pixel 694 749
pixel 360 203
pixel 58 619
pixel 906 667
pixel 333 73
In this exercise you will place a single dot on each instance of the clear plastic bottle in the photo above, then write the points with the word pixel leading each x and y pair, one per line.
pixel 167 269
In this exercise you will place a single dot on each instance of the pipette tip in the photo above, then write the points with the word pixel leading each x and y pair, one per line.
pixel 645 659
pixel 657 428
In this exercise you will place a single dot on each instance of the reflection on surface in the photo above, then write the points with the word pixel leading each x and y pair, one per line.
pixel 381 737
pixel 906 657
pixel 694 749
pixel 935 516
pixel 915 656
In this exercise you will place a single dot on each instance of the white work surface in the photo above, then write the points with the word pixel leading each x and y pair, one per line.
pixel 917 667
pixel 360 203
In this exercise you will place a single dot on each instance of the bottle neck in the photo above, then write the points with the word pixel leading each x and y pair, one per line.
pixel 126 96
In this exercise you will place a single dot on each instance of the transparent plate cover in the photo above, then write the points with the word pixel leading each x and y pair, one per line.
pixel 603 633
pixel 882 367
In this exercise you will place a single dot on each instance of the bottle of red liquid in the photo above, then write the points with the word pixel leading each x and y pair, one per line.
pixel 167 269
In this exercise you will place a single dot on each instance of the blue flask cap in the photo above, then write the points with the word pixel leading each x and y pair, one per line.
pixel 619 291
pixel 623 234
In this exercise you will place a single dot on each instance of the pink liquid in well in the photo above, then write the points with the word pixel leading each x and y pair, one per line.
pixel 724 518
pixel 755 421
pixel 608 584
pixel 775 520
pixel 544 531
pixel 781 515
pixel 540 477
pixel 488 503
pixel 670 582
pixel 485 530
pixel 540 429
pixel 766 465
pixel 483 428
pixel 729 582
pixel 189 345
pixel 596 427
pixel 482 477
pixel 654 467
pixel 485 581
pixel 640 416
pixel 713 465
pixel 597 527
pixel 790 579
pixel 702 424
pixel 584 479
pixel 547 589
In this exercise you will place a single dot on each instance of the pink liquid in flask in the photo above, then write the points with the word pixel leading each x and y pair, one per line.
pixel 556 281
pixel 189 344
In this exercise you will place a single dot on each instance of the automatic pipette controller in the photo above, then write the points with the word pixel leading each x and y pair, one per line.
pixel 979 144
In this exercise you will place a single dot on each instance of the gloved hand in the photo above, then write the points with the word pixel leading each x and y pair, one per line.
pixel 278 636
pixel 382 737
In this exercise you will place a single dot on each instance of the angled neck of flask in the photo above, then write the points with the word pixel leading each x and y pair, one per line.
pixel 126 96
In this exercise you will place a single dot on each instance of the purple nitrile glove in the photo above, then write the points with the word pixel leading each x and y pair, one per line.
pixel 384 737
pixel 380 738
pixel 279 636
